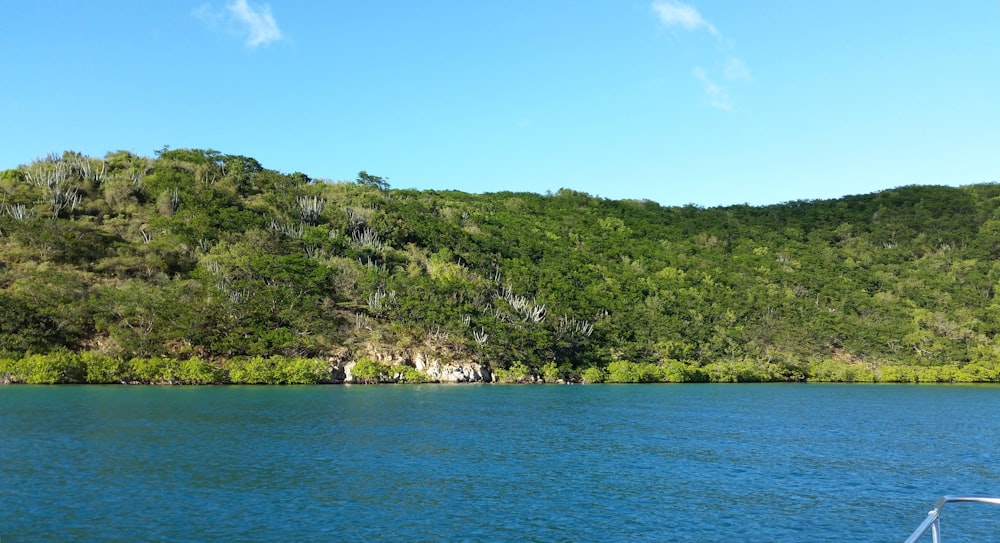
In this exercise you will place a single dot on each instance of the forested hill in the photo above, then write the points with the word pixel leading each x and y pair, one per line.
pixel 200 255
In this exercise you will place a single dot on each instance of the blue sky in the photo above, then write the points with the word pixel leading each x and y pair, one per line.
pixel 706 102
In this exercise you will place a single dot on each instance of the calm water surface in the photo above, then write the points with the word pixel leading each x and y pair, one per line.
pixel 770 463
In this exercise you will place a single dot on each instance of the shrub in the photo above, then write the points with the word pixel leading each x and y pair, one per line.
pixel 981 371
pixel 518 372
pixel 33 370
pixel 593 375
pixel 675 371
pixel 302 371
pixel 102 369
pixel 622 371
pixel 370 371
pixel 195 371
pixel 43 369
pixel 255 370
pixel 840 372
pixel 7 370
pixel 409 374
pixel 551 372
pixel 148 370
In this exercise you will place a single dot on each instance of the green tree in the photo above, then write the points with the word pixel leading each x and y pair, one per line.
pixel 367 180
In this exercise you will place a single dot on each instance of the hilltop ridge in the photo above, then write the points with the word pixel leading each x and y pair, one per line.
pixel 195 254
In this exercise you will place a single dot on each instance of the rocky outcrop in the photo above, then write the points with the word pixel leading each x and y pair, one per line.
pixel 452 372
pixel 465 371
pixel 338 360
pixel 339 372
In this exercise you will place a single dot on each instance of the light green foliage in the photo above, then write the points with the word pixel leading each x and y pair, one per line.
pixel 409 374
pixel 368 371
pixel 302 371
pixel 593 375
pixel 60 366
pixel 551 373
pixel 276 370
pixel 103 369
pixel 674 371
pixel 621 371
pixel 195 371
pixel 7 369
pixel 150 370
pixel 518 372
pixel 251 371
pixel 166 263
pixel 840 372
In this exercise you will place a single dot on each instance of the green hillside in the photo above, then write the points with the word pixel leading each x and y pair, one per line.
pixel 210 263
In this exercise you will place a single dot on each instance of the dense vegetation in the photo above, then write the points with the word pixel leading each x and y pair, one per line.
pixel 197 266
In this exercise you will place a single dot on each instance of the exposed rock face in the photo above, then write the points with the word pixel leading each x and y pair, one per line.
pixel 443 372
pixel 338 365
pixel 452 372
pixel 340 372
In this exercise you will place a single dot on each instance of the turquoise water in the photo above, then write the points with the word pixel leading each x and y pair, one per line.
pixel 775 463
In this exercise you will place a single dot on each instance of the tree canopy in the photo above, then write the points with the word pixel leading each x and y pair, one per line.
pixel 196 254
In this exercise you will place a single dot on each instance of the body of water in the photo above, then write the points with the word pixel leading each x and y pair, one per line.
pixel 771 463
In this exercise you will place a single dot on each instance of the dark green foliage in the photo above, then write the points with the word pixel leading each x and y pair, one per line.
pixel 42 309
pixel 197 266
pixel 59 241
pixel 367 180
pixel 23 328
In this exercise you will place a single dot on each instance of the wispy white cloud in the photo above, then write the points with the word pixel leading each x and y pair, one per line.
pixel 736 70
pixel 260 25
pixel 718 97
pixel 673 13
pixel 253 21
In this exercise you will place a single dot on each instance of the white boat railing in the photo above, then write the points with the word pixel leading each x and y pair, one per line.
pixel 933 520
